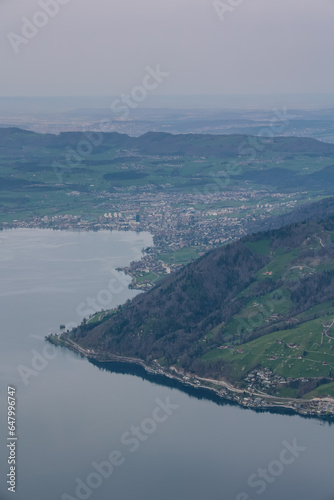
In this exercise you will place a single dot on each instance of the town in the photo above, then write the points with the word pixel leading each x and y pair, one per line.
pixel 184 225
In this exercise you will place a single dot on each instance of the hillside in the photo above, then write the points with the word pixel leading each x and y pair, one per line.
pixel 54 165
pixel 258 313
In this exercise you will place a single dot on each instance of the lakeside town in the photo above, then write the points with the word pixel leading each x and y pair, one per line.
pixel 184 225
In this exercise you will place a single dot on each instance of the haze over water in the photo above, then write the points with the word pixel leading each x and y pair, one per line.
pixel 71 414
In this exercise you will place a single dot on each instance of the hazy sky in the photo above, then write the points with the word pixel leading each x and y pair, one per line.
pixel 103 47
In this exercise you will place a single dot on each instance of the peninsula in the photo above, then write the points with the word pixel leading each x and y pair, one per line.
pixel 252 320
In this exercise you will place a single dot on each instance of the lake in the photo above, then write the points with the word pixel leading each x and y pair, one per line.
pixel 87 432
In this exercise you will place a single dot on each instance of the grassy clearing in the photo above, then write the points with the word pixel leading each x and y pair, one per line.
pixel 259 312
pixel 182 256
pixel 321 392
pixel 296 353
pixel 99 317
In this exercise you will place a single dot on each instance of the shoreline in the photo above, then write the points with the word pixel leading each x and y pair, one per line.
pixel 225 391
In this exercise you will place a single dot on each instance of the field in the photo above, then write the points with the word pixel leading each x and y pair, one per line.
pixel 301 352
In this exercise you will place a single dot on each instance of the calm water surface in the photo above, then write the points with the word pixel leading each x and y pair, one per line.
pixel 72 416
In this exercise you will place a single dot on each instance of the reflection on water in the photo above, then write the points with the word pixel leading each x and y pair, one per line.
pixel 195 392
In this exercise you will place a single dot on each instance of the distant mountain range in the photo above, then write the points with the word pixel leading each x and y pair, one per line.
pixel 281 163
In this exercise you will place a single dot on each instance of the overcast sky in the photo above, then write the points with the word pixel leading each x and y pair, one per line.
pixel 103 47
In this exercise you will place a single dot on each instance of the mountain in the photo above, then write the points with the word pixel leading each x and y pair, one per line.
pixel 257 313
pixel 168 144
